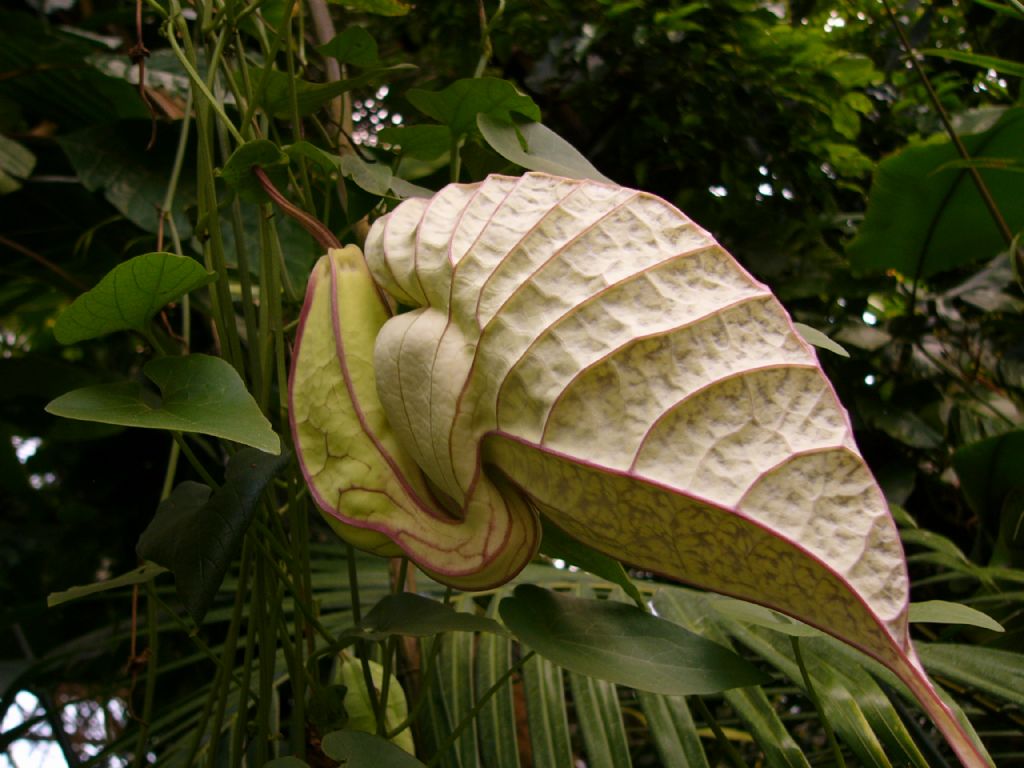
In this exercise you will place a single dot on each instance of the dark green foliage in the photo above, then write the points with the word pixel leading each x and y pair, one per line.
pixel 788 141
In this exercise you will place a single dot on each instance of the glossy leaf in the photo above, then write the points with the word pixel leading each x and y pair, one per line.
pixel 197 393
pixel 661 408
pixel 620 643
pixel 545 150
pixel 922 221
pixel 197 531
pixel 130 295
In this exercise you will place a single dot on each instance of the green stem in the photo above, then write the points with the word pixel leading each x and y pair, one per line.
pixel 230 647
pixel 947 124
pixel 723 741
pixel 279 572
pixel 197 81
pixel 196 464
pixel 837 752
pixel 149 694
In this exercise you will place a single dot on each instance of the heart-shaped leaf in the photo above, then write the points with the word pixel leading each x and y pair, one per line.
pixel 129 295
pixel 458 105
pixel 925 217
pixel 196 531
pixel 353 46
pixel 623 644
pixel 586 352
pixel 545 150
pixel 198 393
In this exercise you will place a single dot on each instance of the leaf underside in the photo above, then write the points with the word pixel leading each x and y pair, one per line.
pixel 587 352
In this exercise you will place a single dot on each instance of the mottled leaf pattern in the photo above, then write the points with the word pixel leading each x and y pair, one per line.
pixel 588 352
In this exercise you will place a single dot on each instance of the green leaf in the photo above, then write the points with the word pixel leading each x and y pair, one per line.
pixel 620 643
pixel 545 150
pixel 819 339
pixel 944 612
pixel 546 712
pixel 753 706
pixel 1000 673
pixel 359 708
pixel 922 221
pixel 758 615
pixel 16 164
pixel 458 105
pixel 140 575
pixel 672 730
pixel 326 708
pixel 286 762
pixel 1004 66
pixel 237 171
pixel 379 7
pixel 375 178
pixel 353 46
pixel 355 749
pixel 557 544
pixel 989 470
pixel 497 720
pixel 410 614
pixel 197 532
pixel 277 93
pixel 422 142
pixel 198 393
pixel 585 352
pixel 130 295
pixel 114 159
pixel 327 162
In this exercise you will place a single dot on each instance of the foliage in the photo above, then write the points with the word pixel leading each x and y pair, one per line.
pixel 788 137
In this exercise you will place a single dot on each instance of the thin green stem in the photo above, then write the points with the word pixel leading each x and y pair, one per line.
pixel 194 461
pixel 279 572
pixel 149 694
pixel 947 124
pixel 230 648
pixel 197 81
pixel 733 755
pixel 812 694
